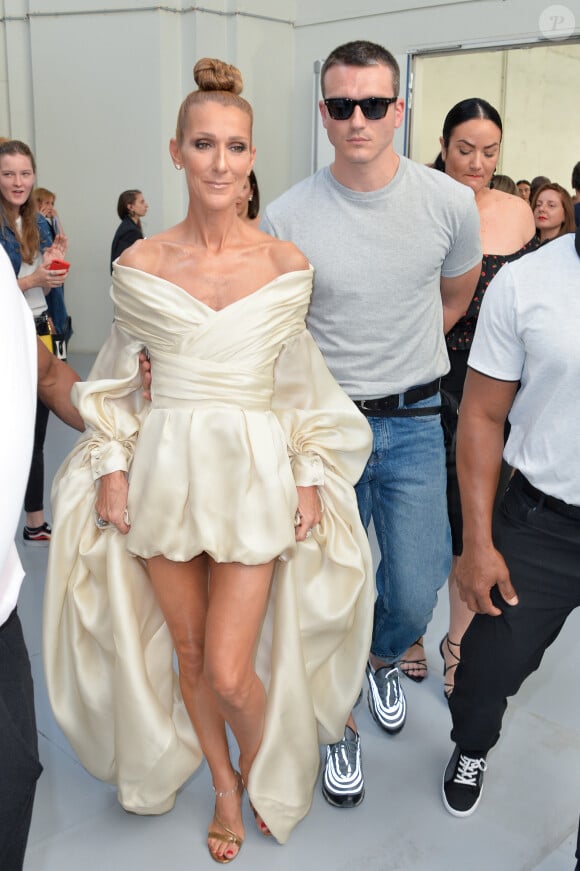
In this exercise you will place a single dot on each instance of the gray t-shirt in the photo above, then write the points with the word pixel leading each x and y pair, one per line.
pixel 376 310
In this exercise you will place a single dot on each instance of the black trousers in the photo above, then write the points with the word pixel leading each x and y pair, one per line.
pixel 542 550
pixel 34 496
pixel 20 767
pixel 578 849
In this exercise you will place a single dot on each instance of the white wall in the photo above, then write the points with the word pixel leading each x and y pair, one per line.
pixel 96 94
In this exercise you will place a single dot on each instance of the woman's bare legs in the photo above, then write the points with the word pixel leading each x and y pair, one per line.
pixel 238 599
pixel 459 619
pixel 214 613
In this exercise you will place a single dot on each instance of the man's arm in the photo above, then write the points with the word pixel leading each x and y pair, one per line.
pixel 55 380
pixel 456 294
pixel 480 439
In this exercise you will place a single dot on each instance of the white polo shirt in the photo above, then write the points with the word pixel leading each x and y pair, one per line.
pixel 18 365
pixel 529 331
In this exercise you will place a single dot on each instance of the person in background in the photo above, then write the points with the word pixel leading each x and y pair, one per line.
pixel 26 362
pixel 504 183
pixel 470 150
pixel 553 212
pixel 131 207
pixel 26 237
pixel 576 197
pixel 248 206
pixel 537 183
pixel 520 567
pixel 45 201
pixel 523 187
pixel 391 242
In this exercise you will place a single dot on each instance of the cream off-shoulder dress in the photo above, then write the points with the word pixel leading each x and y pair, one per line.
pixel 243 409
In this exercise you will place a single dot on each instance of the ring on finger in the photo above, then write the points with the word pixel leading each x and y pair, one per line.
pixel 101 522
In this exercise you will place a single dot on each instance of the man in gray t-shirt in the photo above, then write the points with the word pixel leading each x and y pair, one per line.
pixel 396 252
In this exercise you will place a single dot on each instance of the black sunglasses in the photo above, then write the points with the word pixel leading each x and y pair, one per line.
pixel 373 108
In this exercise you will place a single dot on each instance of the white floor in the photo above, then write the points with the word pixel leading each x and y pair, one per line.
pixel 527 819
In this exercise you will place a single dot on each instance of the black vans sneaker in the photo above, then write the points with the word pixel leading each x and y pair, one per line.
pixel 463 783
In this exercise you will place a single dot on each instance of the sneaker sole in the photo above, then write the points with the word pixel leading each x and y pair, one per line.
pixel 453 811
pixel 348 801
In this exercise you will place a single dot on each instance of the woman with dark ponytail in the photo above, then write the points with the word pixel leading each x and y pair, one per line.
pixel 131 207
pixel 470 149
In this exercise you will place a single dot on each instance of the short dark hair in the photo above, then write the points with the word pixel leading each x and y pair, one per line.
pixel 361 53
pixel 466 110
pixel 576 177
pixel 537 182
pixel 523 181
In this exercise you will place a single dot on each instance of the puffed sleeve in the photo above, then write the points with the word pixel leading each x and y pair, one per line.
pixel 324 429
pixel 111 404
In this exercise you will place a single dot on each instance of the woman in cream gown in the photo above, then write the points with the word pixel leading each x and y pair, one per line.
pixel 246 435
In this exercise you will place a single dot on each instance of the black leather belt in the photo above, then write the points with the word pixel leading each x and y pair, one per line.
pixel 391 405
pixel 551 502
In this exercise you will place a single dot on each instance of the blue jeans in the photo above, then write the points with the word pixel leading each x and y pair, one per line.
pixel 403 490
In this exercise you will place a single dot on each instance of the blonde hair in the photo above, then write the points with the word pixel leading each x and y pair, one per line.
pixel 218 82
pixel 41 194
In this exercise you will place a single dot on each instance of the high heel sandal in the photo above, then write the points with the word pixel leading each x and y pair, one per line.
pixel 226 836
pixel 415 669
pixel 448 687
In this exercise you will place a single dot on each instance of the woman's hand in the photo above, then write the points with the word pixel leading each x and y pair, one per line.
pixel 309 511
pixel 43 277
pixel 58 248
pixel 145 370
pixel 111 504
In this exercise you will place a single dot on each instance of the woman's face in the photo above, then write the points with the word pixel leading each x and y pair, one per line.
pixel 549 214
pixel 524 191
pixel 16 180
pixel 138 207
pixel 216 154
pixel 243 201
pixel 472 153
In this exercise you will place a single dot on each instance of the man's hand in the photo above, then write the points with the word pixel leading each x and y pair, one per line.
pixel 478 570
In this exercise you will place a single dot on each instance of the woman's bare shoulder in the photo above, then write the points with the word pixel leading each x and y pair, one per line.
pixel 285 255
pixel 513 214
pixel 147 254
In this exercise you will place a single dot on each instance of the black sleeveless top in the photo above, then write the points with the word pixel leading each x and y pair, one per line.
pixel 460 336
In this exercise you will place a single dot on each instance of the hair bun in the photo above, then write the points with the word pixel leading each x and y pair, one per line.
pixel 211 74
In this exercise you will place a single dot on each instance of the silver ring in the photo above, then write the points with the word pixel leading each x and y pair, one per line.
pixel 309 533
pixel 101 522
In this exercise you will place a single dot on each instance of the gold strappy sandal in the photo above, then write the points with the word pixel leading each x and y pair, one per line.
pixel 226 836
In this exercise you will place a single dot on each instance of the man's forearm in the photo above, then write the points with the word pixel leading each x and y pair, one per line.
pixel 479 455
pixel 480 442
pixel 55 380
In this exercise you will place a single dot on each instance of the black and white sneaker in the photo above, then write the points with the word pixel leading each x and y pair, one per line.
pixel 386 698
pixel 463 783
pixel 343 782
